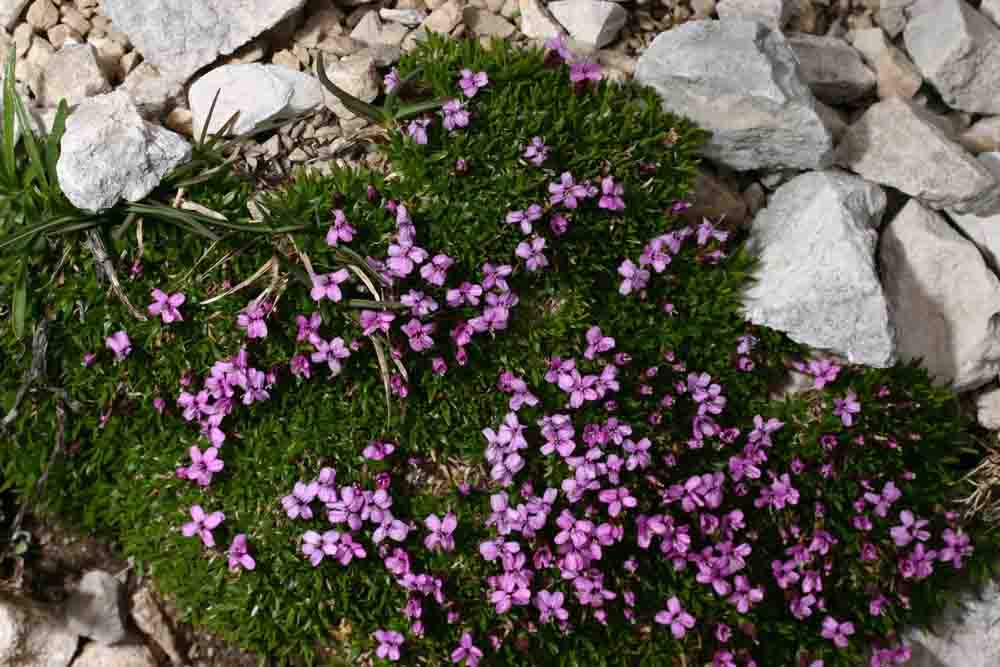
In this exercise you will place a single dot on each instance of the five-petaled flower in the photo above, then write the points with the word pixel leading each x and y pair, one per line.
pixel 597 343
pixel 239 556
pixel 911 528
pixel 119 343
pixel 467 651
pixel 611 195
pixel 166 306
pixel 536 152
pixel 296 504
pixel 203 466
pixel 455 114
pixel 391 80
pixel 203 525
pixel 635 278
pixel 533 252
pixel 327 286
pixel 251 320
pixel 340 230
pixel 847 407
pixel 674 615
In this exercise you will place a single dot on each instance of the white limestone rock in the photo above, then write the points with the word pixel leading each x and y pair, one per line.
pixel 591 22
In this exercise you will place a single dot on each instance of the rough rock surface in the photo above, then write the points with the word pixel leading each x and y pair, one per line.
pixel 109 153
pixel 152 90
pixel 969 634
pixel 739 80
pixel 591 22
pixel 260 93
pixel 988 409
pixel 126 655
pixel 983 136
pixel 984 231
pixel 183 36
pixel 32 635
pixel 896 143
pixel 832 68
pixel 956 331
pixel 357 76
pixel 817 278
pixel 958 50
pixel 537 22
pixel 895 73
pixel 772 13
pixel 10 12
pixel 151 620
pixel 96 610
pixel 71 73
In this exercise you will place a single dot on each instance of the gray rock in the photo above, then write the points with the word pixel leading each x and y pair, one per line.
pixel 591 22
pixel 958 50
pixel 835 120
pixel 832 68
pixel 896 74
pixel 126 655
pixel 10 12
pixel 537 22
pixel 482 22
pixel 896 143
pixel 967 634
pixel 357 76
pixel 151 90
pixel 991 9
pixel 408 17
pixel 96 609
pixel 772 13
pixel 109 153
pixel 33 635
pixel 988 409
pixel 739 80
pixel 983 136
pixel 817 278
pixel 892 16
pixel 444 19
pixel 984 231
pixel 71 73
pixel 945 301
pixel 151 620
pixel 182 36
pixel 261 93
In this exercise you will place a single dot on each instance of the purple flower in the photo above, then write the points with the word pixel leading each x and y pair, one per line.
pixel 550 605
pixel 391 80
pixel 956 547
pixel 467 651
pixel 617 500
pixel 597 343
pixel 88 359
pixel 536 152
pixel 435 271
pixel 532 251
pixel 239 556
pixel 317 546
pixel 674 615
pixel 203 525
pixel 251 320
pixel 559 224
pixel 635 279
pixel 340 230
pixel 455 115
pixel 166 306
pixel 707 230
pixel 307 327
pixel 419 335
pixel 119 343
pixel 824 371
pixel 461 166
pixel 372 321
pixel 524 218
pixel 420 304
pixel 611 195
pixel 440 532
pixel 378 450
pixel 495 276
pixel 471 83
pixel 417 129
pixel 465 293
pixel 331 352
pixel 297 503
pixel 847 407
pixel 911 528
pixel 328 286
pixel 389 642
pixel 837 632
pixel 202 467
pixel 581 72
pixel 556 45
pixel 568 192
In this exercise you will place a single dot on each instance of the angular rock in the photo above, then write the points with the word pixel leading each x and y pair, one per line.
pixel 96 609
pixel 892 15
pixel 151 90
pixel 945 300
pixel 10 12
pixel 988 409
pixel 182 36
pixel 74 19
pixel 42 15
pixel 991 9
pixel 983 136
pixel 319 26
pixel 109 153
pixel 537 22
pixel 818 280
pixel 967 634
pixel 984 231
pixel 834 120
pixel 407 17
pixel 958 50
pixel 33 635
pixel 832 68
pixel 260 93
pixel 357 76
pixel 61 34
pixel 772 13
pixel 712 199
pixel 591 22
pixel 482 22
pixel 739 80
pixel 150 619
pixel 126 655
pixel 444 19
pixel 71 73
pixel 369 28
pixel 897 76
pixel 896 143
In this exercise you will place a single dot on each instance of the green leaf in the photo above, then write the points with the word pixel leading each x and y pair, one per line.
pixel 418 108
pixel 52 141
pixel 20 304
pixel 361 108
pixel 9 93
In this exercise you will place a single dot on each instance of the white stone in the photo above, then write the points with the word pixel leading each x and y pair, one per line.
pixel 991 9
pixel 356 76
pixel 957 49
pixel 260 93
pixel 42 15
pixel 151 90
pixel 537 22
pixel 33 635
pixel 109 153
pixel 369 28
pixel 740 81
pixel 772 13
pixel 945 301
pixel 183 36
pixel 150 619
pixel 984 231
pixel 319 26
pixel 71 73
pixel 892 15
pixel 444 19
pixel 591 22
pixel 10 12
pixel 96 609
pixel 126 655
pixel 832 68
pixel 408 17
pixel 817 277
pixel 896 143
pixel 896 74
pixel 988 409
pixel 983 136
pixel 967 634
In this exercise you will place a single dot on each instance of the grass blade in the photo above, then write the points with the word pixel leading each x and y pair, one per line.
pixel 9 91
pixel 30 144
pixel 361 108
pixel 40 228
pixel 208 119
pixel 418 108
pixel 20 303
pixel 52 142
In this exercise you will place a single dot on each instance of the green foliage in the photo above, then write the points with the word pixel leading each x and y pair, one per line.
pixel 118 476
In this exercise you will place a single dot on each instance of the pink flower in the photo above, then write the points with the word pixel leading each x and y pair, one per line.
pixel 202 467
pixel 441 532
pixel 847 407
pixel 911 528
pixel 341 230
pixel 389 643
pixel 471 83
pixel 378 450
pixel 837 632
pixel 635 277
pixel 239 556
pixel 674 615
pixel 611 195
pixel 467 651
pixel 328 286
pixel 597 343
pixel 203 525
pixel 119 343
pixel 166 306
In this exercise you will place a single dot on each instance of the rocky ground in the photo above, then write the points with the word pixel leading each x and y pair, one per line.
pixel 874 122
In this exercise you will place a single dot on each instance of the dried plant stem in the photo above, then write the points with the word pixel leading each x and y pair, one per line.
pixel 39 348
pixel 106 268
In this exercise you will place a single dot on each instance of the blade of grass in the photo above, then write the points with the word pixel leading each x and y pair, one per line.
pixel 9 91
pixel 30 143
pixel 355 105
pixel 52 141
pixel 39 228
pixel 19 304
pixel 208 119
